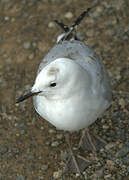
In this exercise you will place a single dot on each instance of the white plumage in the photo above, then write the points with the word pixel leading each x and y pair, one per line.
pixel 82 92
pixel 71 89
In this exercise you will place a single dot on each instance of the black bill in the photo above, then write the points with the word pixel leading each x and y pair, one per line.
pixel 26 96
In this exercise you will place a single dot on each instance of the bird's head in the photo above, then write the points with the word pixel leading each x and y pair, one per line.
pixel 59 79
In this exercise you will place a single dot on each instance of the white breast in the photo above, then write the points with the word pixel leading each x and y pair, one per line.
pixel 71 114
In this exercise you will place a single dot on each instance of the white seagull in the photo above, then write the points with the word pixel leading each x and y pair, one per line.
pixel 72 87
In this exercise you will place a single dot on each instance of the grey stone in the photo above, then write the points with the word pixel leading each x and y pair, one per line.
pixel 54 144
pixel 4 150
pixel 125 160
pixel 123 152
pixel 20 178
pixel 68 15
pixel 128 168
pixel 26 45
pixel 44 167
pixel 22 132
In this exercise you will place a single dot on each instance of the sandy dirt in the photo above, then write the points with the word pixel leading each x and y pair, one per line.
pixel 31 148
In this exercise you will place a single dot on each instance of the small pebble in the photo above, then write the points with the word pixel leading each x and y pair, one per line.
pixel 2 80
pixel 107 176
pixel 13 19
pixel 26 14
pixel 44 167
pixel 109 146
pixel 31 56
pixel 42 128
pixel 1 134
pixel 54 144
pixel 98 174
pixel 90 32
pixel 123 152
pixel 41 46
pixel 105 127
pixel 5 55
pixel 40 157
pixel 19 41
pixel 34 44
pixel 51 131
pixel 6 18
pixel 22 132
pixel 59 136
pixel 97 12
pixel 9 60
pixel 20 178
pixel 110 164
pixel 27 86
pixel 30 157
pixel 26 45
pixel 57 174
pixel 47 143
pixel 125 160
pixel 51 24
pixel 106 4
pixel 68 15
pixel 122 103
pixel 41 178
pixel 4 150
pixel 17 134
pixel 64 155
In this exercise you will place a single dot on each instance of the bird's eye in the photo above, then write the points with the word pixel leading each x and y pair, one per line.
pixel 52 84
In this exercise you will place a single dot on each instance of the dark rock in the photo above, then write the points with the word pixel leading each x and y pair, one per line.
pixel 4 150
pixel 123 152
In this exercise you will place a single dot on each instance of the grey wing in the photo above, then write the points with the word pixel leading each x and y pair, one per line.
pixel 87 58
pixel 67 49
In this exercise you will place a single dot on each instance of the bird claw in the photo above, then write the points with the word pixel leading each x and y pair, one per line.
pixel 76 164
pixel 91 142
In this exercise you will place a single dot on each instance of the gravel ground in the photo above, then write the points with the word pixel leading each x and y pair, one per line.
pixel 30 148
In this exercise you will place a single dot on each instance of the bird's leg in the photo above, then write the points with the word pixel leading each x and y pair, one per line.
pixel 90 142
pixel 71 153
pixel 84 141
pixel 75 163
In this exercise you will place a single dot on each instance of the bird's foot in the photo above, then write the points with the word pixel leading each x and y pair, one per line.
pixel 91 142
pixel 76 164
